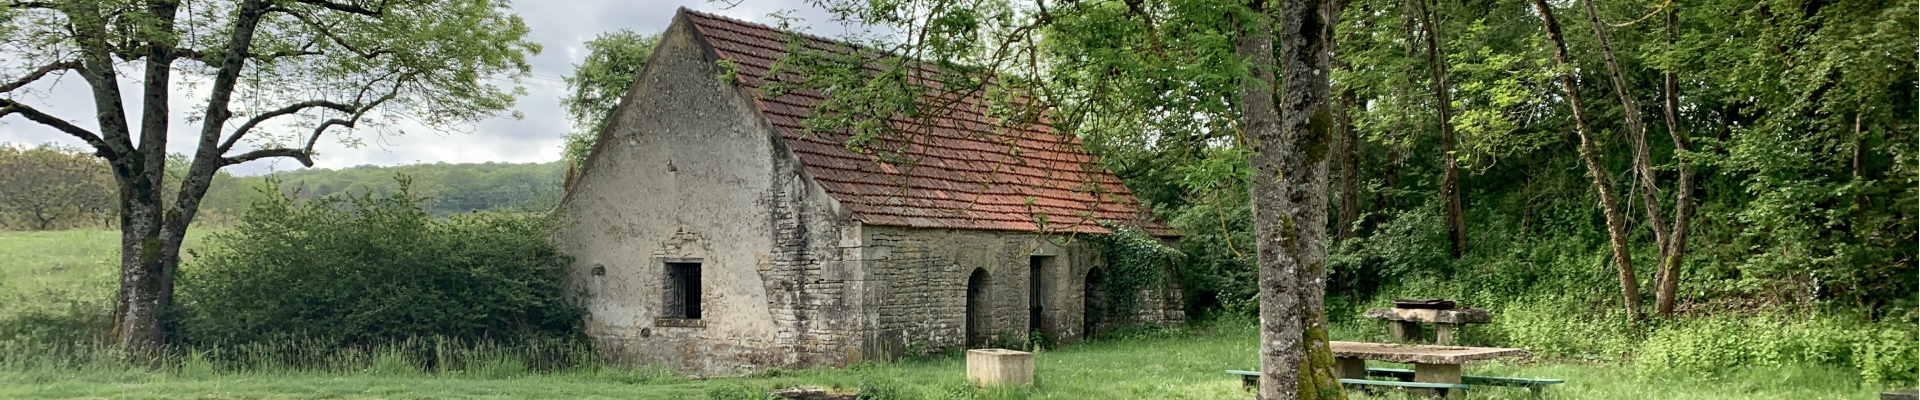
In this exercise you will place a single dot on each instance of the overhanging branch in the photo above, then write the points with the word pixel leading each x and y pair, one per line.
pixel 100 146
pixel 297 107
pixel 348 8
pixel 30 4
pixel 328 32
pixel 305 154
pixel 37 74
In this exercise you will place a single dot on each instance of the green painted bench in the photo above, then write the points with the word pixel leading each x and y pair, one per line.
pixel 1534 385
pixel 1249 379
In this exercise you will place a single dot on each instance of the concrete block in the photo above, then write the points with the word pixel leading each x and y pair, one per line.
pixel 1351 368
pixel 999 367
pixel 1437 373
pixel 1404 331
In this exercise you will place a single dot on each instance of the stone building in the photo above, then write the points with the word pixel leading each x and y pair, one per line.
pixel 713 235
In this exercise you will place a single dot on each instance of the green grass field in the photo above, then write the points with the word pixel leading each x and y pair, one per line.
pixel 39 267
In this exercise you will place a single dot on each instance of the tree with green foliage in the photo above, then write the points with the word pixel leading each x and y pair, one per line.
pixel 598 84
pixel 277 75
pixel 50 184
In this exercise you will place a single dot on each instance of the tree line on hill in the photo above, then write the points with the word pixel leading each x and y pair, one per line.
pixel 49 186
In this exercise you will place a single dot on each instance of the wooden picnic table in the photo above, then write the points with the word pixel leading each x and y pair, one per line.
pixel 1403 324
pixel 1431 364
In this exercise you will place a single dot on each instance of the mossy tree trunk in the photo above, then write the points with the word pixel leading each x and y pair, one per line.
pixel 1683 198
pixel 1293 140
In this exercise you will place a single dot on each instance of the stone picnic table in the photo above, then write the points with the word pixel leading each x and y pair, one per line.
pixel 1403 324
pixel 1431 364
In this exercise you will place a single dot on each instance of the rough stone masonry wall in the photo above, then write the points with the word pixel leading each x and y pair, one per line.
pixel 811 290
pixel 917 286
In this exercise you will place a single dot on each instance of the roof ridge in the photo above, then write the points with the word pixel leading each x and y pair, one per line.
pixel 703 14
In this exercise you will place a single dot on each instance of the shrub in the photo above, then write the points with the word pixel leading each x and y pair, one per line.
pixel 1881 353
pixel 882 389
pixel 737 391
pixel 1560 327
pixel 372 269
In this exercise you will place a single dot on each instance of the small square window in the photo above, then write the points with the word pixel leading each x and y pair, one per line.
pixel 682 290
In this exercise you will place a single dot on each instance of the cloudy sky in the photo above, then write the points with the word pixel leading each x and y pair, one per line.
pixel 560 26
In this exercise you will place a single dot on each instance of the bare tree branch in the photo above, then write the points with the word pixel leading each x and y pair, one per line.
pixel 305 154
pixel 30 4
pixel 100 146
pixel 325 30
pixel 350 8
pixel 296 107
pixel 37 74
pixel 137 53
pixel 290 53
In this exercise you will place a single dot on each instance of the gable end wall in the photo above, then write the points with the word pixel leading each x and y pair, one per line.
pixel 689 170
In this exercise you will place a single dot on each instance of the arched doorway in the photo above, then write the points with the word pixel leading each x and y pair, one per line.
pixel 978 309
pixel 1094 303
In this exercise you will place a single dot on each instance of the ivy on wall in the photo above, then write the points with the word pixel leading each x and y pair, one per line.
pixel 1134 260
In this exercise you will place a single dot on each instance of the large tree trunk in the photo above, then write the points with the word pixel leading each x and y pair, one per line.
pixel 1280 329
pixel 1294 139
pixel 1636 132
pixel 1449 173
pixel 1683 199
pixel 1616 224
pixel 137 314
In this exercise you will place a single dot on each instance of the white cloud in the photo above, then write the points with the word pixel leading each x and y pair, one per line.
pixel 560 26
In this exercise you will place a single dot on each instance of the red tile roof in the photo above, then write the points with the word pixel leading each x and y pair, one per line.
pixel 964 173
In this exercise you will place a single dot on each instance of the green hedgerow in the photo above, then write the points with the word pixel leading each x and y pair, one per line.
pixel 372 269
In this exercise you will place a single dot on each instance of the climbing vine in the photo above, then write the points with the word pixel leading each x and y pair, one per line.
pixel 1134 260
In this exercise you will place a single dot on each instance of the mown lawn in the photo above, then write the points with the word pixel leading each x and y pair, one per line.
pixel 36 267
pixel 1183 364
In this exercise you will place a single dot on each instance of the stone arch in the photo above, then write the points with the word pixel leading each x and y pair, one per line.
pixel 1093 302
pixel 979 308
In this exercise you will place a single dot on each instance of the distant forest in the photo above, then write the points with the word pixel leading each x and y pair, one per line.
pixel 56 187
pixel 452 188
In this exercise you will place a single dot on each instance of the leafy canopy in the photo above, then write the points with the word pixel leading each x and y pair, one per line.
pixel 614 59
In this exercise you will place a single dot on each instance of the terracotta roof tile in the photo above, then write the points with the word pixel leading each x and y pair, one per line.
pixel 962 173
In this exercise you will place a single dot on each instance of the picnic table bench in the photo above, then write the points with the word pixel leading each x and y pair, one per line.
pixel 1532 384
pixel 1249 379
pixel 1403 324
pixel 1436 369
